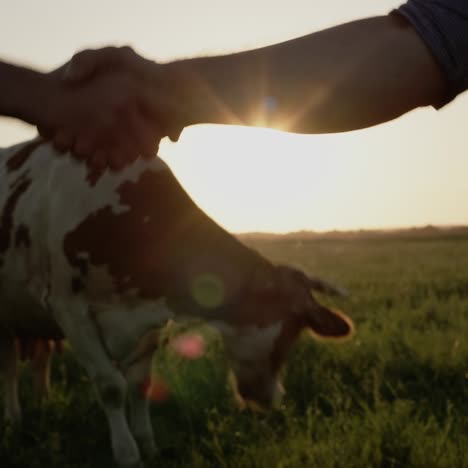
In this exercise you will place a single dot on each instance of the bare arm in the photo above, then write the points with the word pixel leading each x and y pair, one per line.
pixel 348 77
pixel 108 120
pixel 22 92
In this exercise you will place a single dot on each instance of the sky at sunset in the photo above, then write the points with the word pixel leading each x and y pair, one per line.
pixel 412 171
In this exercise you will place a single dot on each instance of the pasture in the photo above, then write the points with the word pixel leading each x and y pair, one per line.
pixel 396 395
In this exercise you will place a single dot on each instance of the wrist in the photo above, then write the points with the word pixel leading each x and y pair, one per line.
pixel 30 96
pixel 23 92
pixel 188 85
pixel 39 99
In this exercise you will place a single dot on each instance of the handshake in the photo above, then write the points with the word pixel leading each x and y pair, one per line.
pixel 110 106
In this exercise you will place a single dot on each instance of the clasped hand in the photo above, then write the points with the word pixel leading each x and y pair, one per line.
pixel 108 106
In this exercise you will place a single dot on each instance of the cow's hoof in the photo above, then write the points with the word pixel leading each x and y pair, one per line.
pixel 140 464
pixel 128 456
pixel 134 464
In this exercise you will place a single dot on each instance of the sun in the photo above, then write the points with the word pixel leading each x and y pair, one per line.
pixel 256 179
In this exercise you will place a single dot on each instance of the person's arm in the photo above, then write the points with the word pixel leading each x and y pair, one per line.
pixel 348 77
pixel 23 92
pixel 108 120
pixel 351 76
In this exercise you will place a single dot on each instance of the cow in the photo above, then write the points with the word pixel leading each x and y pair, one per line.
pixel 105 259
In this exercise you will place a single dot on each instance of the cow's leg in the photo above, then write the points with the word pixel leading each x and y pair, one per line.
pixel 40 366
pixel 84 337
pixel 9 368
pixel 138 374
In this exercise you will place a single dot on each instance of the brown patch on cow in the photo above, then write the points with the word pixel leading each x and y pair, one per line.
pixel 81 264
pixel 6 219
pixel 159 242
pixel 21 156
pixel 94 174
pixel 22 237
pixel 76 285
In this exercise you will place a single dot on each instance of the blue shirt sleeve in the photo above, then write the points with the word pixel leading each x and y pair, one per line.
pixel 443 26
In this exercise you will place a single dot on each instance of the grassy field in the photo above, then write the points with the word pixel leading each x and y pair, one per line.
pixel 394 396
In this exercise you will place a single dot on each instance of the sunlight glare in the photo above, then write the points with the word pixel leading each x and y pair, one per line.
pixel 255 179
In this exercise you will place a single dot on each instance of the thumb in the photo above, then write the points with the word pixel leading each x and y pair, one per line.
pixel 174 134
pixel 81 67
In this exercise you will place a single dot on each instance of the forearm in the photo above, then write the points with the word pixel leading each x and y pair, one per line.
pixel 344 78
pixel 23 92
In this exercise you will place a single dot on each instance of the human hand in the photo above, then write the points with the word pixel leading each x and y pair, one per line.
pixel 91 62
pixel 108 120
pixel 87 63
pixel 107 107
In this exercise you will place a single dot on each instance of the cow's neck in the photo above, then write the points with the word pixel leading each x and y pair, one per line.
pixel 162 245
pixel 204 270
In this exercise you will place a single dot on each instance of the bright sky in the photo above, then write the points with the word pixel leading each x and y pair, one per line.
pixel 412 171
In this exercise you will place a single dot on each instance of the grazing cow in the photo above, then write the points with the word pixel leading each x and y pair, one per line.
pixel 105 259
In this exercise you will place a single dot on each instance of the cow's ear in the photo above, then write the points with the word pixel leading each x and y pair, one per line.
pixel 328 324
pixel 317 284
pixel 314 283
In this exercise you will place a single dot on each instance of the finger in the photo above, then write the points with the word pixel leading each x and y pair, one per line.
pixel 174 134
pixel 145 134
pixel 118 154
pixel 117 159
pixel 131 136
pixel 63 140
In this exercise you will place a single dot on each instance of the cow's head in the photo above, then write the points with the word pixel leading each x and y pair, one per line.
pixel 277 307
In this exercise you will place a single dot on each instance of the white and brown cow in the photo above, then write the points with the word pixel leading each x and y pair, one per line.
pixel 104 259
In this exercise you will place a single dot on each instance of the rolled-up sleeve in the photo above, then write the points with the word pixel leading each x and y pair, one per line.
pixel 443 26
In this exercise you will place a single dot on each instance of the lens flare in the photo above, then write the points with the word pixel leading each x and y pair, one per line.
pixel 208 290
pixel 189 346
pixel 270 104
pixel 156 389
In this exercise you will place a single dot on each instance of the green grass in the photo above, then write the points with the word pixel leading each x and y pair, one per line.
pixel 394 396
